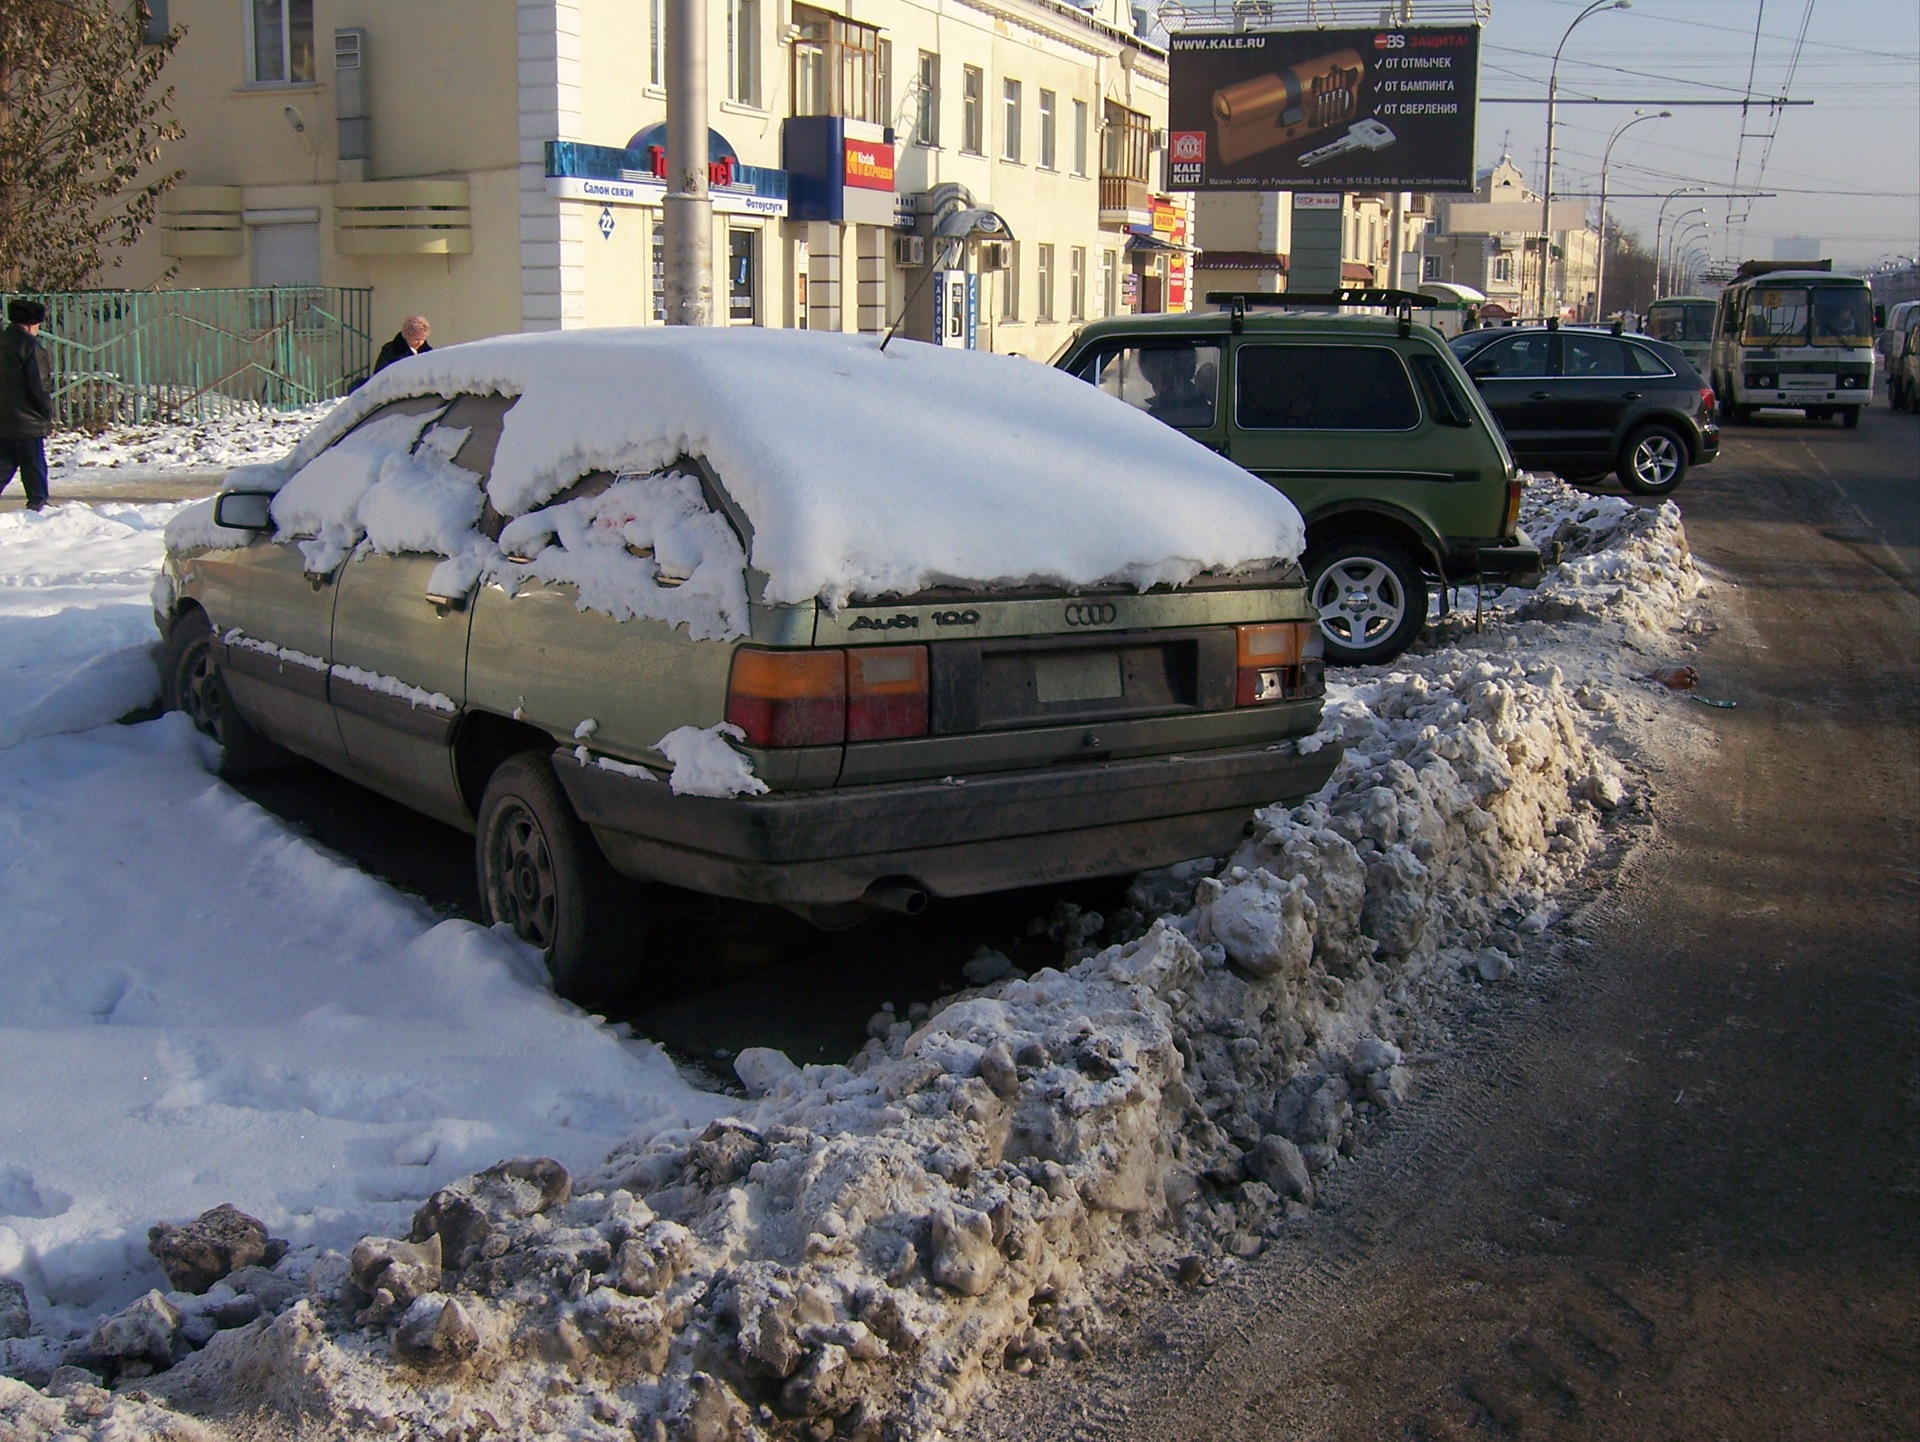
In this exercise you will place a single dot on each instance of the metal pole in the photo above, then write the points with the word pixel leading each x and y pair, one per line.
pixel 1600 279
pixel 1546 187
pixel 687 214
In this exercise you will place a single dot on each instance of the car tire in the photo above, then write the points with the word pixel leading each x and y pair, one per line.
pixel 542 874
pixel 1367 591
pixel 1653 462
pixel 191 683
pixel 1850 417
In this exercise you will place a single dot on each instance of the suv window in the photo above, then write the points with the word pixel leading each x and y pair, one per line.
pixel 1522 356
pixel 1322 388
pixel 1646 363
pixel 1593 355
pixel 1177 384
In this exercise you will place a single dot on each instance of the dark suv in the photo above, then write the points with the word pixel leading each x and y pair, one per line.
pixel 1585 402
pixel 1365 422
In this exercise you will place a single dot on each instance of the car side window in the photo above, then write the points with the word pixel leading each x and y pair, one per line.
pixel 472 425
pixel 1645 362
pixel 326 492
pixel 1323 387
pixel 1516 357
pixel 1176 383
pixel 1593 356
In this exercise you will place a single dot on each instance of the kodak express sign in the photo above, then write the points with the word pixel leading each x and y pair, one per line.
pixel 869 165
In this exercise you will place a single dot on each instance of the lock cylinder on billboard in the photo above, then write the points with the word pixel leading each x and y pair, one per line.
pixel 1270 110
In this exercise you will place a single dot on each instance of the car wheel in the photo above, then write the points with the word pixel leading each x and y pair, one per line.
pixel 191 683
pixel 1654 462
pixel 542 873
pixel 1850 416
pixel 1371 597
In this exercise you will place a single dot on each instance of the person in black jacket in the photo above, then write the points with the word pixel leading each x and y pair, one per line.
pixel 411 340
pixel 26 402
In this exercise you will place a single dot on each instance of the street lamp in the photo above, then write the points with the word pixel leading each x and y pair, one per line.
pixel 1546 189
pixel 1661 225
pixel 1600 278
pixel 1682 232
pixel 1659 257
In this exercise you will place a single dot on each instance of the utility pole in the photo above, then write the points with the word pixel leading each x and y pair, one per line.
pixel 687 218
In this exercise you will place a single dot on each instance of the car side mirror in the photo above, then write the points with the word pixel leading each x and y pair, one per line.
pixel 244 511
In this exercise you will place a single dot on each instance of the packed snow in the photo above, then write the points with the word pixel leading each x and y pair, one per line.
pixel 853 1248
pixel 873 476
pixel 241 438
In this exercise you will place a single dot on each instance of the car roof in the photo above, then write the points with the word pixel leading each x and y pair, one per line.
pixel 1256 321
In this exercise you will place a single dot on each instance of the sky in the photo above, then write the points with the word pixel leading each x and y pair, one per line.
pixel 1844 171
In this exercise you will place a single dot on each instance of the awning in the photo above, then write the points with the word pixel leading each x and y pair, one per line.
pixel 1154 243
pixel 1447 290
pixel 972 222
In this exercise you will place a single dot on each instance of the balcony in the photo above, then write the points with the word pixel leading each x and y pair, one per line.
pixel 1124 202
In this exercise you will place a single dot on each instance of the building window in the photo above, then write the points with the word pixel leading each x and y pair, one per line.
pixel 1079 137
pixel 1109 282
pixel 884 82
pixel 1043 280
pixel 1048 159
pixel 1077 283
pixel 659 269
pixel 972 98
pixel 656 41
pixel 1503 269
pixel 281 42
pixel 155 31
pixel 1010 283
pixel 743 51
pixel 1010 136
pixel 1127 144
pixel 926 124
pixel 837 67
pixel 1430 268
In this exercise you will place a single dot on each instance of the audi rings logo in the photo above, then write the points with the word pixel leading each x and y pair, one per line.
pixel 1089 614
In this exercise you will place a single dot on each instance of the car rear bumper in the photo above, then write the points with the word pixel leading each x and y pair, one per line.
pixel 1518 562
pixel 949 838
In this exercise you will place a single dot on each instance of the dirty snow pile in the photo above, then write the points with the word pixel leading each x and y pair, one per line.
pixel 854 1249
pixel 859 472
pixel 246 436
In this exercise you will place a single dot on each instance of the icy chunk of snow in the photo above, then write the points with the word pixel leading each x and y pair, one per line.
pixel 705 765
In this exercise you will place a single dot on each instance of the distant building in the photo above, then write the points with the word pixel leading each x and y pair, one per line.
pixel 1247 239
pixel 1493 244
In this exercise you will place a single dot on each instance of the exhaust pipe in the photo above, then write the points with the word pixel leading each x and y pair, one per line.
pixel 896 896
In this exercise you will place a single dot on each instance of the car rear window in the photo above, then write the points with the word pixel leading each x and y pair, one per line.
pixel 1323 388
pixel 1646 363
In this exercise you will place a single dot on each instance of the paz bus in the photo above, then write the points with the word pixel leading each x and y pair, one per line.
pixel 1792 333
pixel 1685 321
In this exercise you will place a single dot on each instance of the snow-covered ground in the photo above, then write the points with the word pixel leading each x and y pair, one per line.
pixel 198 1006
pixel 241 439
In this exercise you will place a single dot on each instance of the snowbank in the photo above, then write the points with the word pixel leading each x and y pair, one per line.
pixel 858 1246
pixel 861 473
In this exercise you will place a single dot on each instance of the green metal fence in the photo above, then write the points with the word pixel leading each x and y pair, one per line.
pixel 127 356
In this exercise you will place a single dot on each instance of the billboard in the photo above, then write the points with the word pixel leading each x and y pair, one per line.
pixel 1323 110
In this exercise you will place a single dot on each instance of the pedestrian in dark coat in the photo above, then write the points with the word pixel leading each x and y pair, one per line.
pixel 411 340
pixel 26 401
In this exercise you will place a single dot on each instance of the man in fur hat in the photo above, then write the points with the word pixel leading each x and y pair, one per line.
pixel 26 402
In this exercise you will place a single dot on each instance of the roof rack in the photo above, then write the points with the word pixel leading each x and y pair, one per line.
pixel 1402 303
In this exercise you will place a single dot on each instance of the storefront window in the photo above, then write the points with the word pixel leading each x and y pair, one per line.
pixel 743 275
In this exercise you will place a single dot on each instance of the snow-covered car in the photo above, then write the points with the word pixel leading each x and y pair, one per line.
pixel 768 615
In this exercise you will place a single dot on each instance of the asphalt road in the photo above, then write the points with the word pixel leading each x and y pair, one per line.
pixel 1670 1188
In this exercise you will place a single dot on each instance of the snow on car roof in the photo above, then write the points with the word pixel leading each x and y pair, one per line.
pixel 862 473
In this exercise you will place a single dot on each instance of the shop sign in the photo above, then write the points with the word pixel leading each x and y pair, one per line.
pixel 637 175
pixel 1325 110
pixel 839 170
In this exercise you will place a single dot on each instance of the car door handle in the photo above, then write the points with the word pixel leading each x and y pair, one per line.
pixel 444 604
pixel 1629 395
pixel 1543 395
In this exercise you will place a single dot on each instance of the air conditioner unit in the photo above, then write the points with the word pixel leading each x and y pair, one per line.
pixel 909 250
pixel 1158 140
pixel 993 255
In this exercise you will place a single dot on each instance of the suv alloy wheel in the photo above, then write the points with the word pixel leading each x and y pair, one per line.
pixel 1371 597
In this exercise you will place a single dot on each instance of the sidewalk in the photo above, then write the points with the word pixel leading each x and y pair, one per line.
pixel 123 483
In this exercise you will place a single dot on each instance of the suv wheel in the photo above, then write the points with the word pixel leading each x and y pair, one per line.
pixel 542 873
pixel 191 683
pixel 1371 597
pixel 1654 461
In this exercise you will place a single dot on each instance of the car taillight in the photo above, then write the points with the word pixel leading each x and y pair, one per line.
pixel 1279 663
pixel 1707 404
pixel 1512 518
pixel 886 692
pixel 789 698
pixel 821 698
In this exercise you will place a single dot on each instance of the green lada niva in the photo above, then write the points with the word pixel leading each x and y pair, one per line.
pixel 768 615
pixel 1365 422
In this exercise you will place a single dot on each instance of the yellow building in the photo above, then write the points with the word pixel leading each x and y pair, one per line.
pixel 491 163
